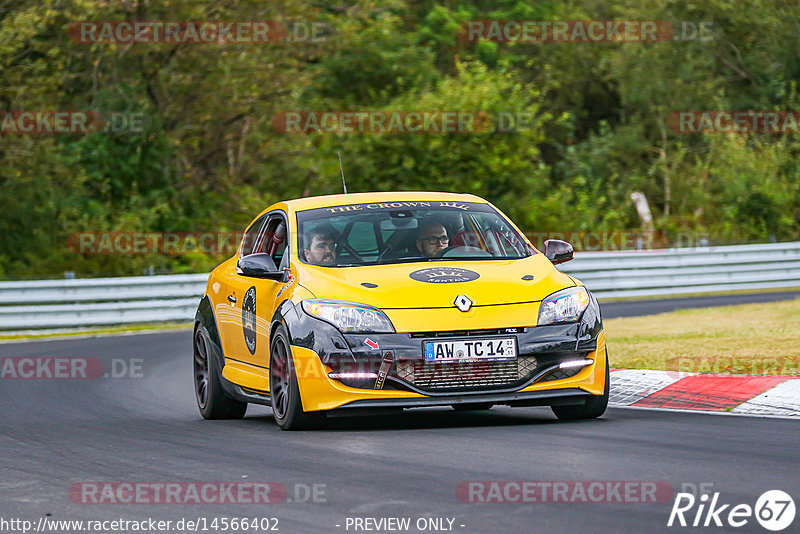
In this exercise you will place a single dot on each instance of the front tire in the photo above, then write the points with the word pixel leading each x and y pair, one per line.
pixel 284 392
pixel 211 398
pixel 595 406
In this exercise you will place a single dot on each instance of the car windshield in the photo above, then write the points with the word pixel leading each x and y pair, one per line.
pixel 403 232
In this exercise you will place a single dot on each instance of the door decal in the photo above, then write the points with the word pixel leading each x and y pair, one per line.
pixel 249 319
pixel 289 282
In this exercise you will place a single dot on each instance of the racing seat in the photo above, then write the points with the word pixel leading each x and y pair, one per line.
pixel 274 240
pixel 464 239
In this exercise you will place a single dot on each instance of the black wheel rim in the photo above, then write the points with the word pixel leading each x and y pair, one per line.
pixel 279 378
pixel 201 369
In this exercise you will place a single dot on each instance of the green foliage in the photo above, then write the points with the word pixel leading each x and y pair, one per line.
pixel 209 158
pixel 501 166
pixel 374 59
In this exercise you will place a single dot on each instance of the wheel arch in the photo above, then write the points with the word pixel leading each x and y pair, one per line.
pixel 205 318
pixel 284 314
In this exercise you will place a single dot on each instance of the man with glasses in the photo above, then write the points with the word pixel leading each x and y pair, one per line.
pixel 432 238
pixel 320 247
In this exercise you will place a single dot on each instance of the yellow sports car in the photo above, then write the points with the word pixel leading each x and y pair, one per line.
pixel 369 302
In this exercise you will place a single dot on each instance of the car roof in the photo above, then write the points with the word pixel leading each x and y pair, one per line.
pixel 325 201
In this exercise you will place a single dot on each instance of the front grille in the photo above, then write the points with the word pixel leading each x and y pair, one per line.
pixel 469 333
pixel 458 376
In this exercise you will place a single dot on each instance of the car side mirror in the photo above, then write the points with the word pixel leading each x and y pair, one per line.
pixel 261 266
pixel 558 251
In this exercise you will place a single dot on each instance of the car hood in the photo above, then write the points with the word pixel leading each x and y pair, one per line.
pixel 437 284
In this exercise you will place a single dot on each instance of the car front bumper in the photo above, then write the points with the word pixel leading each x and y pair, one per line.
pixel 320 392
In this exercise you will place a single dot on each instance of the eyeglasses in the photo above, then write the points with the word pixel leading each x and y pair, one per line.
pixel 443 240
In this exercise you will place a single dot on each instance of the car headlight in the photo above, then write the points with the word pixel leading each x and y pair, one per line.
pixel 349 316
pixel 564 306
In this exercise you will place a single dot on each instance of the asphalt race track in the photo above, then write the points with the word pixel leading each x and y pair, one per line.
pixel 146 428
pixel 651 306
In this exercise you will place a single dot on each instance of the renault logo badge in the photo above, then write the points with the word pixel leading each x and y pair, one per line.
pixel 463 303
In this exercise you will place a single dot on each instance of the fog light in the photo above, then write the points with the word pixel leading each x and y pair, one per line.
pixel 345 376
pixel 575 363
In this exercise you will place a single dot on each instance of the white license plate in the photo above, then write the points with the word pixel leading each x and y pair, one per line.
pixel 459 350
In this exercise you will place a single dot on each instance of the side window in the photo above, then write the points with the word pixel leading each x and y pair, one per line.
pixel 274 242
pixel 250 239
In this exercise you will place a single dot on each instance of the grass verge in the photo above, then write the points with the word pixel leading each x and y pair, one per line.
pixel 759 339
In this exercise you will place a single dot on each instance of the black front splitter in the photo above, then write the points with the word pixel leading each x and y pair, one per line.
pixel 559 397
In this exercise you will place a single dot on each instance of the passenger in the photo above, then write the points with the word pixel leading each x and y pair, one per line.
pixel 320 247
pixel 432 239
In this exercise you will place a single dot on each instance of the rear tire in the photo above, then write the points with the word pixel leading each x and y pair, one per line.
pixel 595 406
pixel 211 398
pixel 284 392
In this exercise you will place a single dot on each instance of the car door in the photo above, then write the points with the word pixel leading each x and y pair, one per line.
pixel 256 297
pixel 272 292
pixel 234 288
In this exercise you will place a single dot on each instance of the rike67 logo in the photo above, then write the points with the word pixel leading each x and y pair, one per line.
pixel 774 510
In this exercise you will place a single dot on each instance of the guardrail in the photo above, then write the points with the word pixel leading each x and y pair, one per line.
pixel 681 271
pixel 99 301
pixel 144 299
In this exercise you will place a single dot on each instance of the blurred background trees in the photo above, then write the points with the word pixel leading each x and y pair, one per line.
pixel 209 158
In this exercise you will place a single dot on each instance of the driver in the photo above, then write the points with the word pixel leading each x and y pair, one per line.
pixel 432 239
pixel 320 247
